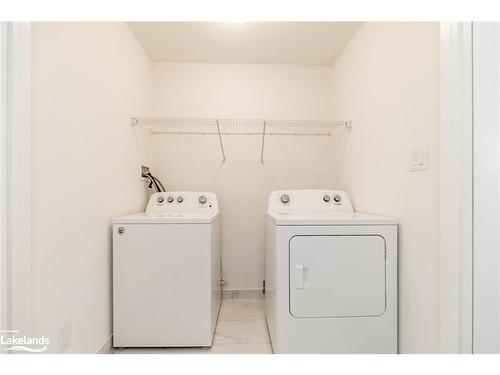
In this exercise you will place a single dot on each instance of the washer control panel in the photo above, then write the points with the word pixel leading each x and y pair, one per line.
pixel 182 201
pixel 299 201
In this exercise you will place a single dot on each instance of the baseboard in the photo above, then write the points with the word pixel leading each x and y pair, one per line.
pixel 107 346
pixel 242 294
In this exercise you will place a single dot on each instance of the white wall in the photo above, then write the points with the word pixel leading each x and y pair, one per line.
pixel 242 184
pixel 88 79
pixel 241 91
pixel 387 82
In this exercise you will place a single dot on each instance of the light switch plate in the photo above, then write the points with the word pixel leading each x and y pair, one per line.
pixel 419 159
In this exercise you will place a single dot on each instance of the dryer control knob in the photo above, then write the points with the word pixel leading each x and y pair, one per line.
pixel 202 199
pixel 160 199
pixel 285 198
pixel 337 198
pixel 326 198
pixel 180 199
pixel 170 199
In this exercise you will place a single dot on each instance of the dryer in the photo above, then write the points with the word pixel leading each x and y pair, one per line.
pixel 331 275
pixel 167 272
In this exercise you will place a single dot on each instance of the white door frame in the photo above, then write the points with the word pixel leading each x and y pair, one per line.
pixel 486 92
pixel 3 221
pixel 456 190
pixel 15 181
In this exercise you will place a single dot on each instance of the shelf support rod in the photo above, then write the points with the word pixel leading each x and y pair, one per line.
pixel 263 139
pixel 220 142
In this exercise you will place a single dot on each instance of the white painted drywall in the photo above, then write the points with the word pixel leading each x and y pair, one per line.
pixel 387 82
pixel 283 43
pixel 88 79
pixel 242 184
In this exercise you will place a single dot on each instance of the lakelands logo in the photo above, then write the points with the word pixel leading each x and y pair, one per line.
pixel 14 342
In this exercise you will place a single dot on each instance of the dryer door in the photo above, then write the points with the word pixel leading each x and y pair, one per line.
pixel 337 276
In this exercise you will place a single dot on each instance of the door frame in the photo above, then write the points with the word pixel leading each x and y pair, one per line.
pixel 456 188
pixel 486 93
pixel 3 144
pixel 15 178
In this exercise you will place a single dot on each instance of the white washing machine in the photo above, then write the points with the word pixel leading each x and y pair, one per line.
pixel 331 275
pixel 167 272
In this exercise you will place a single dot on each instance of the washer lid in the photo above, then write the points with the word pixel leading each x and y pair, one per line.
pixel 329 218
pixel 168 218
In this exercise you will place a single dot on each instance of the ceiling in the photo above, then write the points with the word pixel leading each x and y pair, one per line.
pixel 294 43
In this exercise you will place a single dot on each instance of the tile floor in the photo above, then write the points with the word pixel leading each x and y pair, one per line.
pixel 241 329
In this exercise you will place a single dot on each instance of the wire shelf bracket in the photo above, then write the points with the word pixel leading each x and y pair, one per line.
pixel 220 142
pixel 263 140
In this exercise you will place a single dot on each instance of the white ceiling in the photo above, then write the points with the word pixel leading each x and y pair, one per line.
pixel 299 43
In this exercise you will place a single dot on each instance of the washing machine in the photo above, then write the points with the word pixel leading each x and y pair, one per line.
pixel 167 272
pixel 331 275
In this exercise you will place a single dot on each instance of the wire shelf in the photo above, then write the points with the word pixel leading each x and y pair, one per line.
pixel 239 127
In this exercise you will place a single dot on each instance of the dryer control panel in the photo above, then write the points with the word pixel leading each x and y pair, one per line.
pixel 304 201
pixel 183 201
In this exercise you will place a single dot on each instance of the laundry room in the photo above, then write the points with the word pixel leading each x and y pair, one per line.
pixel 213 128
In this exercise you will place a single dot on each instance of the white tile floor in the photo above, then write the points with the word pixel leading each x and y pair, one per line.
pixel 241 329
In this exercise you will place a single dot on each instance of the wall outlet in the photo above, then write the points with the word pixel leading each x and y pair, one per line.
pixel 65 337
pixel 419 159
pixel 144 174
pixel 144 171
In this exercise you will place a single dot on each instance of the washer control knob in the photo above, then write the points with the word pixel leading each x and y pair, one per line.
pixel 202 199
pixel 326 198
pixel 160 199
pixel 180 199
pixel 337 198
pixel 170 199
pixel 285 198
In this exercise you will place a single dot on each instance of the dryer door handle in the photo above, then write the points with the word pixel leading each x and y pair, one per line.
pixel 299 276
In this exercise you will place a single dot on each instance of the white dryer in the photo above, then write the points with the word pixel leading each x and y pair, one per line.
pixel 331 275
pixel 167 272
